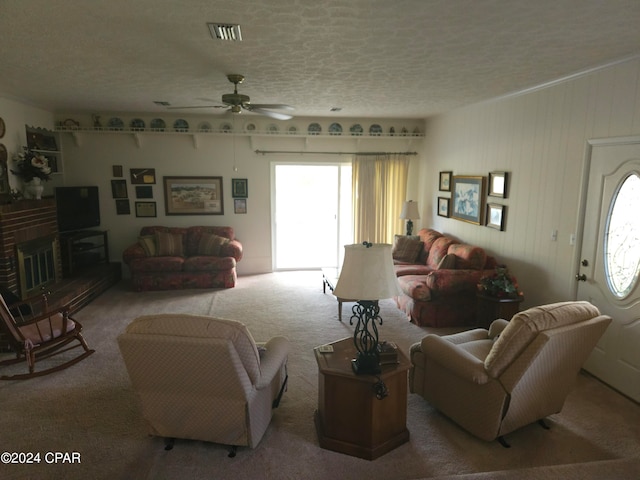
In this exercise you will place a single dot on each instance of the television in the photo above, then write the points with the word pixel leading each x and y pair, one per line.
pixel 77 208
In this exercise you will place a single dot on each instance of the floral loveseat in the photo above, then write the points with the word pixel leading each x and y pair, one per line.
pixel 438 276
pixel 167 258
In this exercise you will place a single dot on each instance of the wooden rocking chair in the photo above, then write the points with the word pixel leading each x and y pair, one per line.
pixel 39 334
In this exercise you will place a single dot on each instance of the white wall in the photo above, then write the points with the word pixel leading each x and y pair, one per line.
pixel 540 138
pixel 89 157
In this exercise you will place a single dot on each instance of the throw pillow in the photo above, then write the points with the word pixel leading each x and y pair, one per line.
pixel 169 244
pixel 210 244
pixel 406 249
pixel 148 243
pixel 448 262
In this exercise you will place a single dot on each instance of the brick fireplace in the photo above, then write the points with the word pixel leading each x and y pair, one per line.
pixel 29 226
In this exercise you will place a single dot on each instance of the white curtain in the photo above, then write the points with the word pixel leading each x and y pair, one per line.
pixel 379 191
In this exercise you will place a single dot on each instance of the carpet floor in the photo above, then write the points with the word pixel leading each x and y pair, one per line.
pixel 90 408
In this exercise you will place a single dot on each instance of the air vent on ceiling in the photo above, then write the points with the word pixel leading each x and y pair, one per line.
pixel 225 31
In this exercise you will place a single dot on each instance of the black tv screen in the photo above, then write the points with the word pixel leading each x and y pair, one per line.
pixel 77 207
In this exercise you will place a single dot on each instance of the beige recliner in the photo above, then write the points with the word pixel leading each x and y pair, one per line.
pixel 492 382
pixel 204 378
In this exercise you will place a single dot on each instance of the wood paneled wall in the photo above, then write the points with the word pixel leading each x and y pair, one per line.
pixel 540 138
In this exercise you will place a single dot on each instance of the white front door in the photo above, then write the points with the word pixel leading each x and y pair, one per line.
pixel 610 260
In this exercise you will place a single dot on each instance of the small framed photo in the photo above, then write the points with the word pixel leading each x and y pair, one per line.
pixel 496 216
pixel 239 188
pixel 468 198
pixel 498 184
pixel 240 205
pixel 143 176
pixel 445 181
pixel 117 170
pixel 119 189
pixel 123 207
pixel 146 209
pixel 144 191
pixel 443 207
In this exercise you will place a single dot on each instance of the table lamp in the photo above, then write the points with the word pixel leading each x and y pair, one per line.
pixel 367 275
pixel 409 213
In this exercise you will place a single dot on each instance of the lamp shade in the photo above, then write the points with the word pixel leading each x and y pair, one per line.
pixel 367 273
pixel 410 211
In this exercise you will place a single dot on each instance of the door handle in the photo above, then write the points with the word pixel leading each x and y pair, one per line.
pixel 581 278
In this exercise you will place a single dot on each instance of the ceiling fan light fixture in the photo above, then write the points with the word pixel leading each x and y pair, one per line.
pixel 225 31
pixel 236 109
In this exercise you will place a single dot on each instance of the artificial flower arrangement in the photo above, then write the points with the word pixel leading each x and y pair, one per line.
pixel 30 165
pixel 500 284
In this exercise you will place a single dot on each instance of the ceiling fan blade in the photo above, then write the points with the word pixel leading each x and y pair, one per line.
pixel 197 106
pixel 268 113
pixel 272 106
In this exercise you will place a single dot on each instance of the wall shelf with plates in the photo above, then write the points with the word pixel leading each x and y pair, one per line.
pixel 46 143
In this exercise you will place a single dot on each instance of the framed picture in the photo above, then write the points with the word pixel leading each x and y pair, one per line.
pixel 498 184
pixel 123 207
pixel 445 181
pixel 468 198
pixel 193 196
pixel 239 188
pixel 119 189
pixel 496 216
pixel 116 170
pixel 146 209
pixel 143 175
pixel 144 191
pixel 443 207
pixel 239 205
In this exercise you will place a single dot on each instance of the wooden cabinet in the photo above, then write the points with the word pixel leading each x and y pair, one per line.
pixel 46 143
pixel 350 418
pixel 490 308
pixel 82 249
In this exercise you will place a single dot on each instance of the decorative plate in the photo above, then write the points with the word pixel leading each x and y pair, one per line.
pixel 137 124
pixel 293 130
pixel 158 124
pixel 250 127
pixel 335 129
pixel 181 125
pixel 226 127
pixel 356 129
pixel 375 129
pixel 115 123
pixel 314 129
pixel 272 128
pixel 204 127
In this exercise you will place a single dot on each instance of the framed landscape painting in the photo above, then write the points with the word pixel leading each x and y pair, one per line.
pixel 468 199
pixel 193 196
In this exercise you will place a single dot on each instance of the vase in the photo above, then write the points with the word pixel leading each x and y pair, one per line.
pixel 33 189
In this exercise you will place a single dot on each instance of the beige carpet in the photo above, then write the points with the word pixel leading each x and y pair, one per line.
pixel 89 408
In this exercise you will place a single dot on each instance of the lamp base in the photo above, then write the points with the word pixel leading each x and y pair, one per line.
pixel 366 364
pixel 409 228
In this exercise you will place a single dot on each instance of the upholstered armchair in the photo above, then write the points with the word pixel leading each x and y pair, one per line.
pixel 492 382
pixel 204 378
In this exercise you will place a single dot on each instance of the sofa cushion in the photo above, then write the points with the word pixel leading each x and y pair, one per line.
pixel 438 250
pixel 208 263
pixel 156 264
pixel 210 244
pixel 148 243
pixel 406 249
pixel 415 287
pixel 448 262
pixel 468 256
pixel 169 244
pixel 428 236
pixel 410 269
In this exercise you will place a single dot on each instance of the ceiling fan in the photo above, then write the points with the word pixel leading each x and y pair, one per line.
pixel 238 102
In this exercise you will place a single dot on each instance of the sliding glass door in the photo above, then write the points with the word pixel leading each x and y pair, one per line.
pixel 311 211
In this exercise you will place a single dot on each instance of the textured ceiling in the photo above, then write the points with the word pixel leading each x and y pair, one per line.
pixel 372 58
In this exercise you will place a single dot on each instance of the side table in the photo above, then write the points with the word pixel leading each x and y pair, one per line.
pixel 490 308
pixel 350 418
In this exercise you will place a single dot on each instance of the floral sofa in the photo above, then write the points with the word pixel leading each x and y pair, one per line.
pixel 438 276
pixel 168 258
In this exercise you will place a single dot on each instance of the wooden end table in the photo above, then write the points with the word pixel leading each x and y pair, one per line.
pixel 350 418
pixel 489 308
